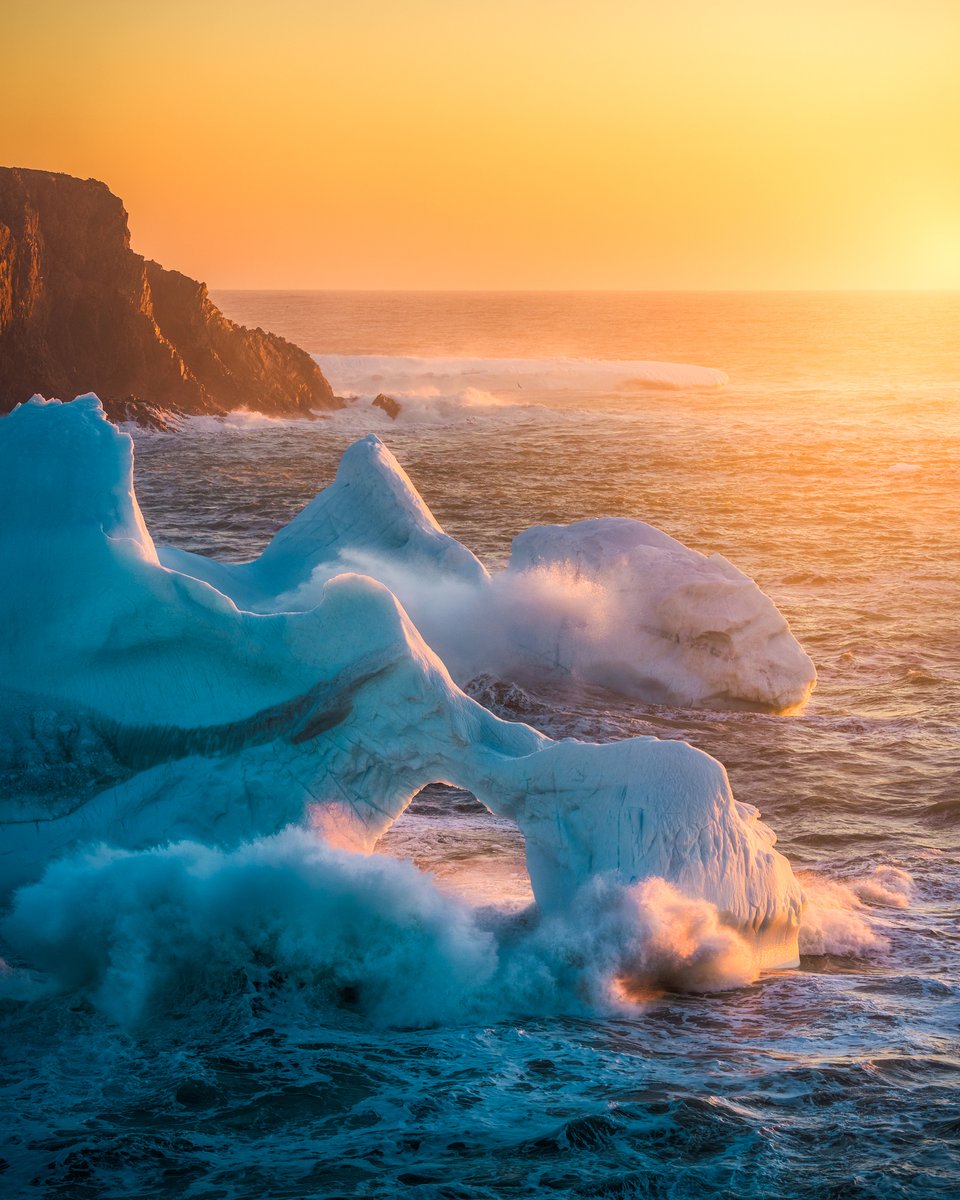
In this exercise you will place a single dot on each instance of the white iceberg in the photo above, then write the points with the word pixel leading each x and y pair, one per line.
pixel 611 602
pixel 145 707
pixel 669 624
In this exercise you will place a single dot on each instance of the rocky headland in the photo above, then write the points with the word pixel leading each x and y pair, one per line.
pixel 80 311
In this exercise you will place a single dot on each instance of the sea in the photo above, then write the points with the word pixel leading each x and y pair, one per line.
pixel 826 466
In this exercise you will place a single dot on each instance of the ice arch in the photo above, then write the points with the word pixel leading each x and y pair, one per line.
pixel 145 706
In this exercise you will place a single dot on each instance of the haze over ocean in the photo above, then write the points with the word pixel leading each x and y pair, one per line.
pixel 826 468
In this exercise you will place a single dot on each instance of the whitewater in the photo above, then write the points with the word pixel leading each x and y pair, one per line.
pixel 270 1015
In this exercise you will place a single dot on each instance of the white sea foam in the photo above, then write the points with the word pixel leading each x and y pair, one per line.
pixel 246 420
pixel 885 886
pixel 440 388
pixel 158 930
pixel 429 406
pixel 837 914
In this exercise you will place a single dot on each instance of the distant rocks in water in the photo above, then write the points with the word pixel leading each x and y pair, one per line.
pixel 80 311
pixel 390 406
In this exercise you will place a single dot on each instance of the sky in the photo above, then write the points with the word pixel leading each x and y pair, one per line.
pixel 507 144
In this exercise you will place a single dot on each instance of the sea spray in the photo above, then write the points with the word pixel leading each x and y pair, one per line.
pixel 158 930
pixel 837 916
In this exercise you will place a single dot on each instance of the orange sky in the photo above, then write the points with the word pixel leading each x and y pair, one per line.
pixel 507 143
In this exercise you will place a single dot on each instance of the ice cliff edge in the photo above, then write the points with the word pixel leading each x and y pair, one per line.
pixel 80 311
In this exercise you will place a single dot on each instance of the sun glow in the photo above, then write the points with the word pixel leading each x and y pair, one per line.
pixel 542 145
pixel 938 254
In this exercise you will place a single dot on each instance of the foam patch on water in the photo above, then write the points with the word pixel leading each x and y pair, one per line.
pixel 837 916
pixel 370 374
pixel 429 405
pixel 152 932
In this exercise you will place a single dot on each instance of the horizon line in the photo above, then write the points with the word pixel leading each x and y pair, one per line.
pixel 593 291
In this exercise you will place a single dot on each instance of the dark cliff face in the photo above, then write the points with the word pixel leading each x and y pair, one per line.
pixel 81 312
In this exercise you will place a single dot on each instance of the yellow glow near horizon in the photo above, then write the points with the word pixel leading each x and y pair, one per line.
pixel 509 144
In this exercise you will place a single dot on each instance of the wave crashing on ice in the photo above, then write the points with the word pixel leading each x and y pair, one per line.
pixel 148 932
pixel 149 707
pixel 611 602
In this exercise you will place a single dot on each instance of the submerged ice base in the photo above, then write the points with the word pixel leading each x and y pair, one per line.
pixel 148 706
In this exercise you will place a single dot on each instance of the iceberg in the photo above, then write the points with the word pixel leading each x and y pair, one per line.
pixel 611 602
pixel 146 706
pixel 371 512
pixel 677 626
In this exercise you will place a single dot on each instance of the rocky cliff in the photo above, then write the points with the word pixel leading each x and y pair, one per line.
pixel 81 312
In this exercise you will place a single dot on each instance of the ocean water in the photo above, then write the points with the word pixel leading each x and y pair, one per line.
pixel 827 467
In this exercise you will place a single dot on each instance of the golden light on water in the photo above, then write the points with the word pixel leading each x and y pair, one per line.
pixel 506 145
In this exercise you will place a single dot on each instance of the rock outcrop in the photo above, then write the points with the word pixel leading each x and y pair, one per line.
pixel 80 311
pixel 390 406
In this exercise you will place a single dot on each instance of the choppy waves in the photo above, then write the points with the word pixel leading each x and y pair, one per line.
pixel 148 933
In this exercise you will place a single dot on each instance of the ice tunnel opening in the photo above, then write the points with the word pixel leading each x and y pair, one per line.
pixel 473 854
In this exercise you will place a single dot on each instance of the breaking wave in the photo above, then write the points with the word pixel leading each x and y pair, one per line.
pixel 290 920
pixel 430 389
pixel 156 931
pixel 837 917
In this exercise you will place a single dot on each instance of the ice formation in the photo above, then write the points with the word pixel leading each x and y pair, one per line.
pixel 144 706
pixel 372 512
pixel 611 602
pixel 677 626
